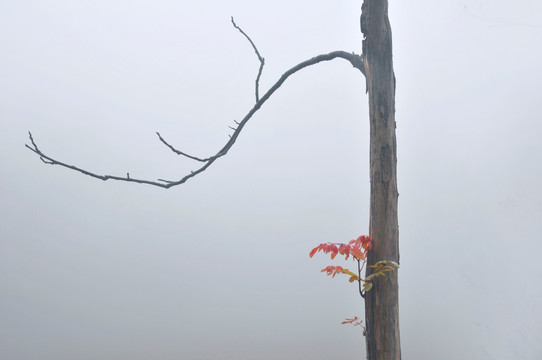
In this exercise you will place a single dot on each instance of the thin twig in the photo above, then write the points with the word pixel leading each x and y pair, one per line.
pixel 178 152
pixel 262 60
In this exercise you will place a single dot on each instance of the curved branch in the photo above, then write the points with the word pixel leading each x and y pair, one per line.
pixel 354 59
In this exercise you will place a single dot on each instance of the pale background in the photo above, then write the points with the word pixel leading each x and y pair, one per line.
pixel 218 268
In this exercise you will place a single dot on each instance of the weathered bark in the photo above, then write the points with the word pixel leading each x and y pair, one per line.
pixel 381 303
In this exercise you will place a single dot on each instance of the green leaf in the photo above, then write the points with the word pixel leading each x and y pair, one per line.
pixel 346 271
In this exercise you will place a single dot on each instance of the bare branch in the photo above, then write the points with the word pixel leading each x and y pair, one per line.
pixel 354 59
pixel 178 152
pixel 262 60
pixel 49 160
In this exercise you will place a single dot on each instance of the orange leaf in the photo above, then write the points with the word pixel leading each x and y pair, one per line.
pixel 358 254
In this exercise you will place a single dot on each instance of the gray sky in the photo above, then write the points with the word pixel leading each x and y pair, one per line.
pixel 218 268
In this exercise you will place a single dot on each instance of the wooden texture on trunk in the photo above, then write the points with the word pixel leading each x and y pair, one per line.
pixel 381 303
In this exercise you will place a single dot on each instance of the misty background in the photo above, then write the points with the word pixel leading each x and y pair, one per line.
pixel 218 268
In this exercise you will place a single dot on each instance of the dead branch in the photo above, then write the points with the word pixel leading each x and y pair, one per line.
pixel 354 59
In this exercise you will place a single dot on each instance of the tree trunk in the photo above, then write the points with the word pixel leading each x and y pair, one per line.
pixel 381 303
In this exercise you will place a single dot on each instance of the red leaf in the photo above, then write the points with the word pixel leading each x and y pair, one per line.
pixel 357 248
pixel 329 269
pixel 344 250
pixel 365 242
pixel 332 270
pixel 338 269
pixel 334 250
pixel 353 321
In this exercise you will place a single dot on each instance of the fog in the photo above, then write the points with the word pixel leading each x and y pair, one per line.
pixel 218 268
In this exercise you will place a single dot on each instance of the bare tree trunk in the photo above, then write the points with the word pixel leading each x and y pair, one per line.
pixel 381 303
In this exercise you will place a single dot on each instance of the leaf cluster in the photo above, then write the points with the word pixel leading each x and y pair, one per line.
pixel 358 250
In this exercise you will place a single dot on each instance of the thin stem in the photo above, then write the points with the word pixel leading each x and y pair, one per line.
pixel 360 267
